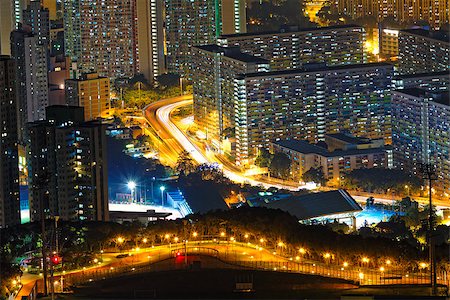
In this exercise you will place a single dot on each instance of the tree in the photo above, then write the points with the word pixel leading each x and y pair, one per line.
pixel 380 180
pixel 315 175
pixel 169 80
pixel 143 140
pixel 263 159
pixel 280 165
pixel 138 78
pixel 185 164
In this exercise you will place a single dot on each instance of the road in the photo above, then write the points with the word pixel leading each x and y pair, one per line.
pixel 169 149
pixel 158 115
pixel 175 140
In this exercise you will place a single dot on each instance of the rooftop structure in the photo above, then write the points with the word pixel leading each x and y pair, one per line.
pixel 334 204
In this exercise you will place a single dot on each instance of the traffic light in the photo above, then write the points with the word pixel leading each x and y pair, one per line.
pixel 56 259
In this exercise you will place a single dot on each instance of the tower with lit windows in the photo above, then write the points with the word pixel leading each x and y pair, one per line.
pixel 198 22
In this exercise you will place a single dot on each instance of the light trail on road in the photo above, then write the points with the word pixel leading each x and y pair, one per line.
pixel 163 116
pixel 176 138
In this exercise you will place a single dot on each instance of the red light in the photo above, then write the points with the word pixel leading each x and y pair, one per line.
pixel 56 259
pixel 178 253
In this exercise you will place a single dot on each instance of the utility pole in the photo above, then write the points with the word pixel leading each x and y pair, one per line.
pixel 429 174
pixel 44 252
pixel 40 184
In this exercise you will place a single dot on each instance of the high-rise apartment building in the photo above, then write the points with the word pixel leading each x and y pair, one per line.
pixel 309 103
pixel 290 48
pixel 215 69
pixel 9 159
pixel 234 17
pixel 91 92
pixel 197 23
pixel 260 107
pixel 37 17
pixel 433 82
pixel 423 51
pixel 10 18
pixel 188 24
pixel 31 77
pixel 101 36
pixel 7 25
pixel 150 36
pixel 421 133
pixel 435 12
pixel 68 162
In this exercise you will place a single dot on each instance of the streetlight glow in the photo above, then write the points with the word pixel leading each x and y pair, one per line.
pixel 131 185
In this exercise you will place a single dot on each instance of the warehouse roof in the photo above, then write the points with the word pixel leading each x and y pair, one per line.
pixel 317 204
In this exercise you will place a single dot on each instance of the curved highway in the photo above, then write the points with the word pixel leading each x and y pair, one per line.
pixel 158 115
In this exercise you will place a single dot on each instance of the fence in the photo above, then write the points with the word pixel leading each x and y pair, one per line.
pixel 360 275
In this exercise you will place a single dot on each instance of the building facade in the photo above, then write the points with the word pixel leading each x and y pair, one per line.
pixel 435 12
pixel 197 23
pixel 434 81
pixel 91 92
pixel 309 103
pixel 290 48
pixel 101 36
pixel 68 164
pixel 150 32
pixel 188 24
pixel 31 77
pixel 423 51
pixel 234 17
pixel 388 41
pixel 421 133
pixel 9 158
pixel 213 87
pixel 37 17
pixel 336 158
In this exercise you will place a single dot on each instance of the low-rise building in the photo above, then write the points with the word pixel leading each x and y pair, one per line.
pixel 339 154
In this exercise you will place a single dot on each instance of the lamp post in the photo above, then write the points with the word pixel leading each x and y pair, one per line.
pixel 153 196
pixel 132 186
pixel 162 189
pixel 429 174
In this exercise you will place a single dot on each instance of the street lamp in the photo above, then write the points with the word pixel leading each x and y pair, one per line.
pixel 132 186
pixel 162 189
